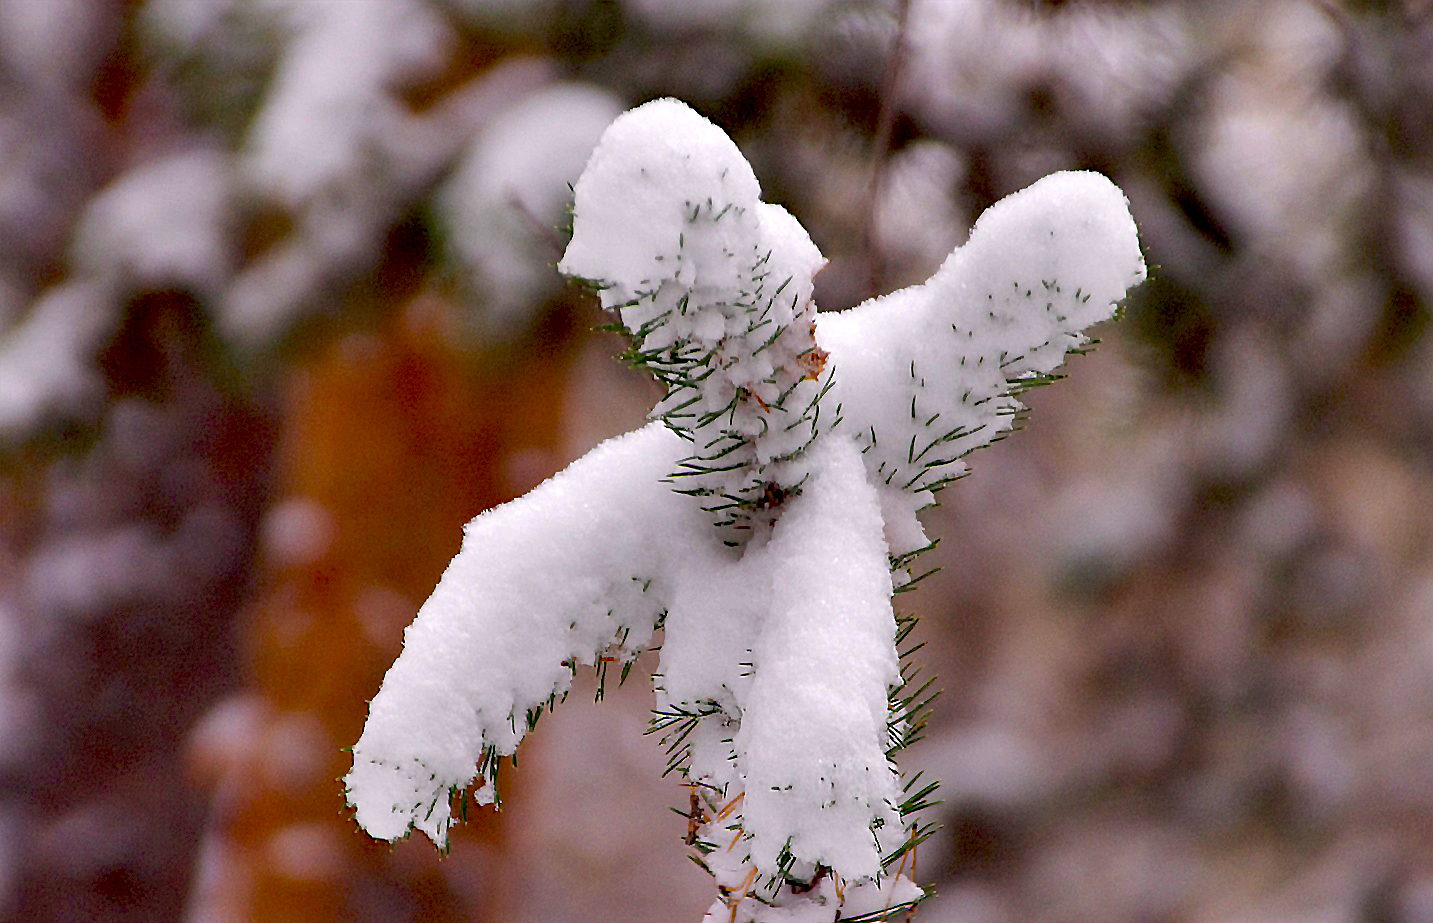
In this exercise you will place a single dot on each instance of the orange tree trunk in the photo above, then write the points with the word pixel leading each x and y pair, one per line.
pixel 391 440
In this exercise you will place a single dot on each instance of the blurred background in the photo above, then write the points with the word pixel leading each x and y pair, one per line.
pixel 278 314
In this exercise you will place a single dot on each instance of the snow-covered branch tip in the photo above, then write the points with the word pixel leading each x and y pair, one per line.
pixel 763 519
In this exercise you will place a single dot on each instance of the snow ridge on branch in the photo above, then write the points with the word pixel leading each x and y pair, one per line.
pixel 810 443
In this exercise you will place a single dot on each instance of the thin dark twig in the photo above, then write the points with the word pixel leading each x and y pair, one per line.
pixel 545 233
pixel 885 126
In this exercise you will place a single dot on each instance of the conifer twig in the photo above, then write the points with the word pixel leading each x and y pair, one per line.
pixel 881 147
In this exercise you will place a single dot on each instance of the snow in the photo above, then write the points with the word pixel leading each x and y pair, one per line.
pixel 371 174
pixel 511 186
pixel 162 224
pixel 605 525
pixel 778 684
pixel 924 374
pixel 714 286
pixel 629 549
pixel 44 360
pixel 330 99
pixel 815 764
pixel 81 577
pixel 972 65
pixel 685 161
pixel 917 220
pixel 297 532
pixel 61 41
pixel 159 225
pixel 1285 167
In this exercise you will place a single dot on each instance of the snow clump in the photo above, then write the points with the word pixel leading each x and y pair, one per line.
pixel 810 443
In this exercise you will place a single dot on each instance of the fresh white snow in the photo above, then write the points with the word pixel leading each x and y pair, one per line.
pixel 810 442
pixel 511 186
pixel 714 286
pixel 541 582
pixel 925 374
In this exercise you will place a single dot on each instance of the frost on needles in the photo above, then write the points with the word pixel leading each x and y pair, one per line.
pixel 761 522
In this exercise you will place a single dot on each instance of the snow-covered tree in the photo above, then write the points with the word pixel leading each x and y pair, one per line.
pixel 761 522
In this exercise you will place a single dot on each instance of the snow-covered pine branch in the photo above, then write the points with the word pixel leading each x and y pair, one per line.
pixel 763 519
pixel 713 286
